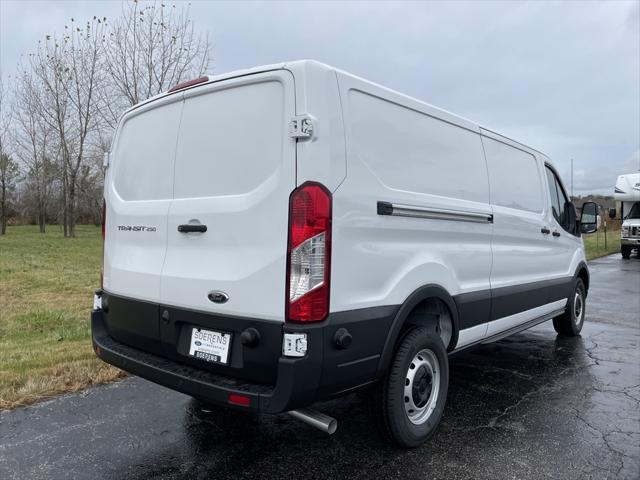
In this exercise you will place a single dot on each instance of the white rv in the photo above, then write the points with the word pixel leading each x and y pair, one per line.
pixel 292 233
pixel 627 192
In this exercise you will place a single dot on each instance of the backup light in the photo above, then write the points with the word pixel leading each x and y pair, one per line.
pixel 309 253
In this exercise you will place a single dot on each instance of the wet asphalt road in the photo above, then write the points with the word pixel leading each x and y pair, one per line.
pixel 530 406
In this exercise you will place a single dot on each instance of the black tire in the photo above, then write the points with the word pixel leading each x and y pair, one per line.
pixel 388 400
pixel 625 250
pixel 571 321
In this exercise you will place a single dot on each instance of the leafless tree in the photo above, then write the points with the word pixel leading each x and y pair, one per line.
pixel 70 93
pixel 8 168
pixel 150 48
pixel 35 143
pixel 68 67
pixel 9 173
pixel 5 116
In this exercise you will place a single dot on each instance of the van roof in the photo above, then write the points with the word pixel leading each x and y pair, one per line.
pixel 303 66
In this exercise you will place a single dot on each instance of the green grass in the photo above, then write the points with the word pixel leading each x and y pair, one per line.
pixel 594 244
pixel 46 293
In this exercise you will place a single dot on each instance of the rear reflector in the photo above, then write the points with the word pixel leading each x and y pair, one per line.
pixel 309 253
pixel 189 83
pixel 239 400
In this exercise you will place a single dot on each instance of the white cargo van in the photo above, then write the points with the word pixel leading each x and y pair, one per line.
pixel 627 192
pixel 292 233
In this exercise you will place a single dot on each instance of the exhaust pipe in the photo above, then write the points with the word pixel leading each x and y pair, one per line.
pixel 316 419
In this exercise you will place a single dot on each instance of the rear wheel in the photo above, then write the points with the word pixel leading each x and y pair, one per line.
pixel 410 400
pixel 571 321
pixel 625 250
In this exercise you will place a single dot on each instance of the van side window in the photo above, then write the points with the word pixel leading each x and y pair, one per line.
pixel 143 154
pixel 214 157
pixel 553 195
pixel 514 177
pixel 558 199
pixel 564 204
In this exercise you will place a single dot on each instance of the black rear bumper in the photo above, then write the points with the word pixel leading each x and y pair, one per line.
pixel 325 371
pixel 296 385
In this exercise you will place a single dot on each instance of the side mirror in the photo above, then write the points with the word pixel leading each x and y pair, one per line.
pixel 612 213
pixel 589 218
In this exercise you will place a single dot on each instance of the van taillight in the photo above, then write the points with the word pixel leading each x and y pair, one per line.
pixel 104 222
pixel 309 254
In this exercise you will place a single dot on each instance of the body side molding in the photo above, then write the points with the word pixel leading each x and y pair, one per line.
pixel 401 210
pixel 510 331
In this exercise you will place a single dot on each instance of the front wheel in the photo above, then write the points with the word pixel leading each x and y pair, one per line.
pixel 410 400
pixel 570 322
pixel 625 250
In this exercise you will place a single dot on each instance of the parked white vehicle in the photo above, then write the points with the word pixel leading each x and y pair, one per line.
pixel 627 192
pixel 292 233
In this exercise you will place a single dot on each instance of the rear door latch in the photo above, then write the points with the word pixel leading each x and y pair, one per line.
pixel 301 126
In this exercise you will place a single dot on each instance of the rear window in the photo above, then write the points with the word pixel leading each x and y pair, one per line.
pixel 514 178
pixel 143 155
pixel 230 140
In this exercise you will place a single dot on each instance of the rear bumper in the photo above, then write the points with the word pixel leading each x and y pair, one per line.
pixel 324 372
pixel 296 385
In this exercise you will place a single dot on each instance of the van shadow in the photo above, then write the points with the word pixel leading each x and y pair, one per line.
pixel 486 384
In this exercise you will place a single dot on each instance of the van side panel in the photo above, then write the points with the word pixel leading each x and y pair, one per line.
pixel 321 159
pixel 521 250
pixel 568 251
pixel 403 152
pixel 523 262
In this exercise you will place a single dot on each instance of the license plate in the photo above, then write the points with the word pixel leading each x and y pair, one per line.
pixel 210 346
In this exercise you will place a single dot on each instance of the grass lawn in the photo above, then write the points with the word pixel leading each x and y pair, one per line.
pixel 594 244
pixel 46 294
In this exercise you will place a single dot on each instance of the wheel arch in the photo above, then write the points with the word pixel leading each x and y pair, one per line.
pixel 582 272
pixel 422 294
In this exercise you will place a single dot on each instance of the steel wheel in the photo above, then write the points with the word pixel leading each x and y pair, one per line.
pixel 571 321
pixel 421 388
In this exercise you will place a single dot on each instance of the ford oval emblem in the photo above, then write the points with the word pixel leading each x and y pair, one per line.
pixel 198 342
pixel 218 297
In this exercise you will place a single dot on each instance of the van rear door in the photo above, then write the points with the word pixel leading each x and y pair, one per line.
pixel 234 171
pixel 138 193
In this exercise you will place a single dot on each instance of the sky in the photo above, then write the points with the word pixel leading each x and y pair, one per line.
pixel 561 77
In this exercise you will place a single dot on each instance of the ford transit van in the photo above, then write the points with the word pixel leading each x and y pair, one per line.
pixel 292 233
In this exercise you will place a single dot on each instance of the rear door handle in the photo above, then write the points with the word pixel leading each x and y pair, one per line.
pixel 189 228
pixel 556 233
pixel 545 230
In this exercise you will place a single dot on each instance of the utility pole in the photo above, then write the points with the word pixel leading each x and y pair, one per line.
pixel 572 179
